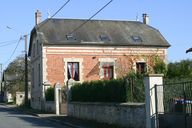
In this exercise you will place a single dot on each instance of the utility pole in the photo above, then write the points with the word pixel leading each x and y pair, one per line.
pixel 26 72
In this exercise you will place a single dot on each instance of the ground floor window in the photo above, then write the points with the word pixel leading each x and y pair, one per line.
pixel 73 70
pixel 108 72
pixel 141 67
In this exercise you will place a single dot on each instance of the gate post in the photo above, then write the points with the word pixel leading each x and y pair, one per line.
pixel 150 82
pixel 70 83
pixel 57 98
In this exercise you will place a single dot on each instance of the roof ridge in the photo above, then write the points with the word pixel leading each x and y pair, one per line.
pixel 81 19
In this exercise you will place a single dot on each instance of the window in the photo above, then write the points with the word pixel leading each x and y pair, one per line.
pixel 71 37
pixel 141 67
pixel 107 72
pixel 107 68
pixel 104 37
pixel 136 38
pixel 73 70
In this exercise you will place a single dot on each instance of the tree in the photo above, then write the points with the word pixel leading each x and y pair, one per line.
pixel 182 69
pixel 159 66
pixel 15 75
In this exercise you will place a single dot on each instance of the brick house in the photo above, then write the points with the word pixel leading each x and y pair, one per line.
pixel 100 49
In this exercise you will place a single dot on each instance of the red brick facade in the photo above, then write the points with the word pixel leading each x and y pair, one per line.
pixel 125 59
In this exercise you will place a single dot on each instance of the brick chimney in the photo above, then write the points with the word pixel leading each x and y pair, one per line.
pixel 37 17
pixel 145 18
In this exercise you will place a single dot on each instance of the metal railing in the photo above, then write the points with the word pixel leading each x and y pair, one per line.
pixel 178 97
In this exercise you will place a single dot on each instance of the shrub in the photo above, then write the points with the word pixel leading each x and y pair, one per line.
pixel 160 67
pixel 100 91
pixel 50 94
pixel 129 89
pixel 135 87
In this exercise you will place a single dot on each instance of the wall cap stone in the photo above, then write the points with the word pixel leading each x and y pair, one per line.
pixel 155 75
pixel 109 104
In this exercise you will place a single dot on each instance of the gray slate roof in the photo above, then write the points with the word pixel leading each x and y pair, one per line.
pixel 118 33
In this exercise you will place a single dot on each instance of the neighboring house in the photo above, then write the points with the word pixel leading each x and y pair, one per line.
pixel 6 86
pixel 63 49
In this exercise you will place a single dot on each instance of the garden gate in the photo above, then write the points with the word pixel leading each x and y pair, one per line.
pixel 177 103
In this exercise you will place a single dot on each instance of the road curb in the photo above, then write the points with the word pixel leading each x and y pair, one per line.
pixel 55 120
pixel 66 123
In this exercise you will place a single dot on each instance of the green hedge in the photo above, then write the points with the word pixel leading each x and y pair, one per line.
pixel 100 91
pixel 50 94
pixel 128 89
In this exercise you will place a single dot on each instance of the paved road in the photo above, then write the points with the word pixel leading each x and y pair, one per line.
pixel 9 118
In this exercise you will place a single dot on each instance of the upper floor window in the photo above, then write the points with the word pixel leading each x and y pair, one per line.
pixel 141 67
pixel 73 70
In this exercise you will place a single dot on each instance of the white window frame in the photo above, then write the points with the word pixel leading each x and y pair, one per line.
pixel 140 61
pixel 68 60
pixel 107 60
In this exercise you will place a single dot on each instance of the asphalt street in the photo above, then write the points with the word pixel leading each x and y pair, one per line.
pixel 10 118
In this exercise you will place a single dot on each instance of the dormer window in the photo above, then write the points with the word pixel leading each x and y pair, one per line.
pixel 71 37
pixel 136 38
pixel 104 37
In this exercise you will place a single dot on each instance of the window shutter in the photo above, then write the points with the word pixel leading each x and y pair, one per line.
pixel 101 70
pixel 105 69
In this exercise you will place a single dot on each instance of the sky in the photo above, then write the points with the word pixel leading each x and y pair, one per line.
pixel 173 18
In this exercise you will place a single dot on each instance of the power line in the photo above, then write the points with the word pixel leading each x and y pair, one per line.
pixel 91 17
pixel 55 12
pixel 4 42
pixel 13 51
pixel 60 8
pixel 8 44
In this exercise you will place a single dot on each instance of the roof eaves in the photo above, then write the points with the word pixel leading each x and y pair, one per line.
pixel 92 45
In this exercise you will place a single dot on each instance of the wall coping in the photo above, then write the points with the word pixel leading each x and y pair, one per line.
pixel 155 75
pixel 110 104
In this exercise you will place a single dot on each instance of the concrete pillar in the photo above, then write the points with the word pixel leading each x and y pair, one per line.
pixel 152 83
pixel 57 98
